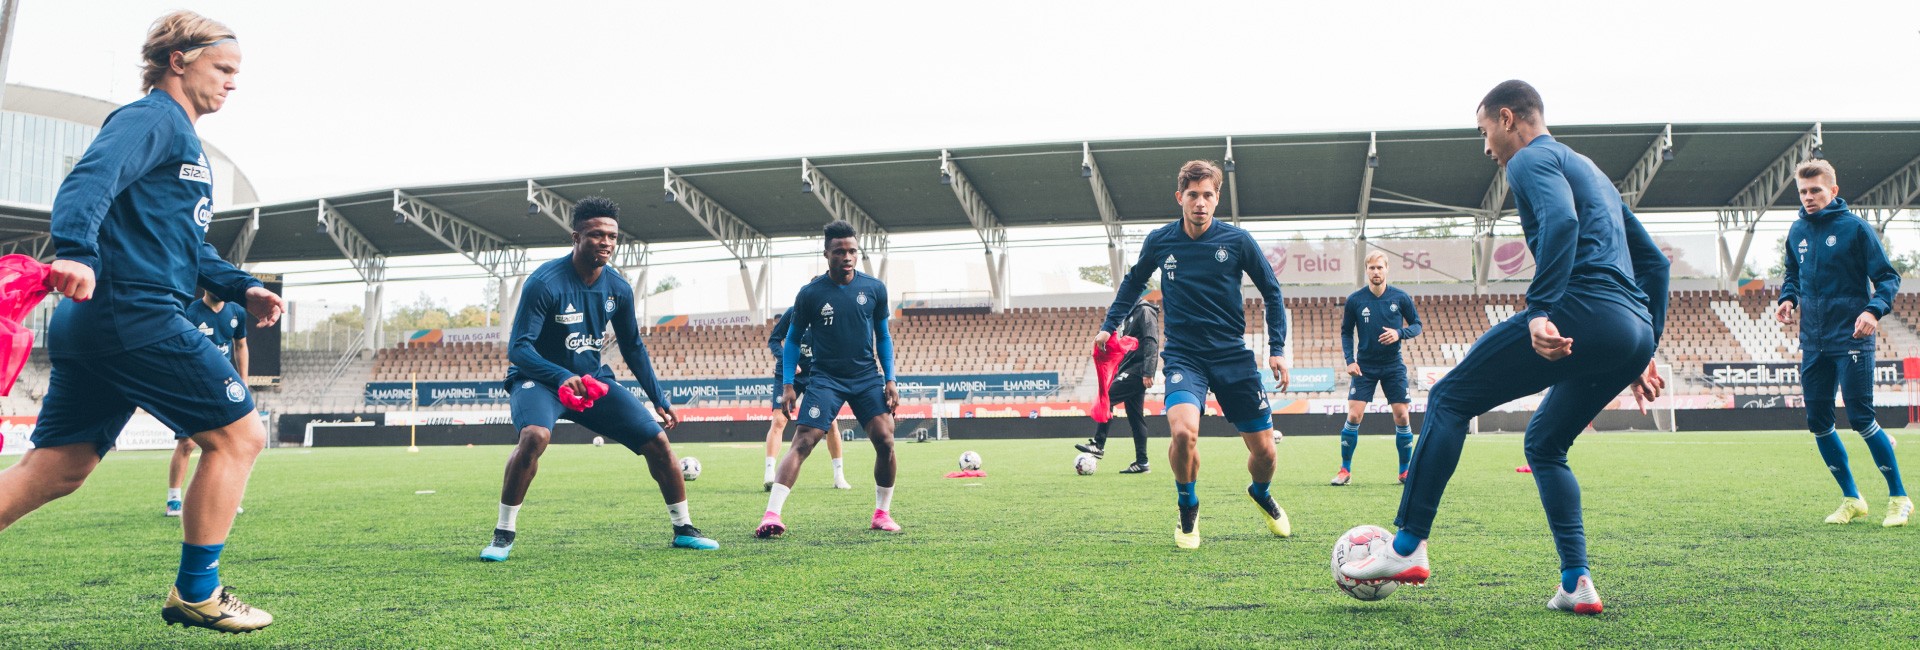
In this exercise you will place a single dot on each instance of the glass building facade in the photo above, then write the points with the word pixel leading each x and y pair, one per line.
pixel 36 152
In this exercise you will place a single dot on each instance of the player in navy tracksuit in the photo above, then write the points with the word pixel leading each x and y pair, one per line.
pixel 1200 261
pixel 844 315
pixel 129 230
pixel 1832 257
pixel 776 342
pixel 225 325
pixel 565 309
pixel 1594 314
pixel 1379 317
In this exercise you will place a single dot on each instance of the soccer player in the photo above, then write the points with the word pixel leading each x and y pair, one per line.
pixel 1130 384
pixel 1595 310
pixel 844 315
pixel 129 229
pixel 558 332
pixel 1200 261
pixel 1379 317
pixel 776 341
pixel 1832 257
pixel 225 325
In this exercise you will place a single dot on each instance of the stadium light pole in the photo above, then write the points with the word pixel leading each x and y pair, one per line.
pixel 9 14
pixel 1360 211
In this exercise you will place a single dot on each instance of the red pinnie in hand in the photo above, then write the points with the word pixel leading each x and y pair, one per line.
pixel 595 390
pixel 23 284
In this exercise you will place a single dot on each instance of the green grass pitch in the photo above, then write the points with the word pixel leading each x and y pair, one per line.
pixel 1696 540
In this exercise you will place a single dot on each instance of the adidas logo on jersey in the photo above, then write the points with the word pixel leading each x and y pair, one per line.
pixel 826 310
pixel 1170 264
pixel 571 316
pixel 1366 313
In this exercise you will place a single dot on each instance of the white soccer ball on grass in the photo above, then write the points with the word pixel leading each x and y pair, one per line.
pixel 1358 544
pixel 969 460
pixel 1085 464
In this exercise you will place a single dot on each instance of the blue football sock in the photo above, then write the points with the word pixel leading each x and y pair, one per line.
pixel 1570 578
pixel 1403 441
pixel 1835 455
pixel 1404 543
pixel 1259 490
pixel 1882 448
pixel 1349 438
pixel 1186 497
pixel 199 571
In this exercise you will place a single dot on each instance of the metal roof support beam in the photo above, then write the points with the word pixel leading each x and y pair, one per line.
pixel 1109 217
pixel 1634 185
pixel 1233 184
pixel 1365 206
pixel 1885 200
pixel 1483 223
pixel 243 242
pixel 740 239
pixel 629 255
pixel 873 237
pixel 367 260
pixel 1744 211
pixel 39 247
pixel 489 251
pixel 993 235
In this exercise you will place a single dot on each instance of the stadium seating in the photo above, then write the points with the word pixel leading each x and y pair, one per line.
pixel 1702 327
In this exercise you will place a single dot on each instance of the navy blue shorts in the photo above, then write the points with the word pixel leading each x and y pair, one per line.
pixel 183 381
pixel 799 388
pixel 824 395
pixel 1234 378
pixel 1850 371
pixel 617 415
pixel 1391 378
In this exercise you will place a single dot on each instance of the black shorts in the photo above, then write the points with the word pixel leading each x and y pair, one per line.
pixel 1126 386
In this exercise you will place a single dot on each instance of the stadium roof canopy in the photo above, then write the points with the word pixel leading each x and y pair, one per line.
pixel 1734 170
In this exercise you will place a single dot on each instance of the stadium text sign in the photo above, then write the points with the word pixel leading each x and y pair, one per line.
pixel 956 387
pixel 1782 373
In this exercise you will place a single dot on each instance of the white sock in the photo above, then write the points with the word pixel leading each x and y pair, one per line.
pixel 839 470
pixel 771 462
pixel 678 513
pixel 173 494
pixel 883 498
pixel 777 499
pixel 507 516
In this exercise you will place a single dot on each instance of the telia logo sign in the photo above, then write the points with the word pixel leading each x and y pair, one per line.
pixel 1510 257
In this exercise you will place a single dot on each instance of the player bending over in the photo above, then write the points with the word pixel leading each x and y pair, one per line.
pixel 1130 384
pixel 1379 317
pixel 558 331
pixel 1200 261
pixel 225 325
pixel 844 315
pixel 1595 310
pixel 776 341
pixel 1833 256
pixel 129 234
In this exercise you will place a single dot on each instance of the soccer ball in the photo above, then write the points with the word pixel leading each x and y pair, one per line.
pixel 970 460
pixel 599 441
pixel 1355 545
pixel 1085 464
pixel 690 468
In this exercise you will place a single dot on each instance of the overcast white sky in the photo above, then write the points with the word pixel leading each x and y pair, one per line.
pixel 354 94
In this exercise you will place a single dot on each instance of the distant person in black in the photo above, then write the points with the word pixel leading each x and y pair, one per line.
pixel 1130 384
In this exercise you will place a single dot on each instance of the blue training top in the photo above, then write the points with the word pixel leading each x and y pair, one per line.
pixel 777 341
pixel 223 327
pixel 136 209
pixel 1200 286
pixel 1367 314
pixel 1583 237
pixel 847 325
pixel 559 328
pixel 1832 255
